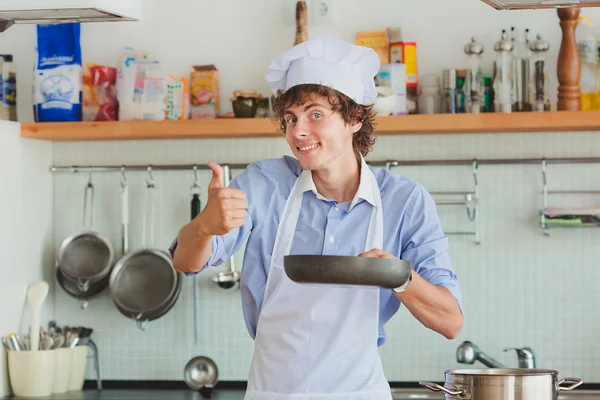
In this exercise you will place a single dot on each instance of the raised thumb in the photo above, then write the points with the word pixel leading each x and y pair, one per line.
pixel 217 178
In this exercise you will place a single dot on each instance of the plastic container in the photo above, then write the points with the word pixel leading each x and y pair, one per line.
pixel 62 373
pixel 430 96
pixel 31 373
pixel 78 369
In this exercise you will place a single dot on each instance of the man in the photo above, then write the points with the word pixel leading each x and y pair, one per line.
pixel 313 341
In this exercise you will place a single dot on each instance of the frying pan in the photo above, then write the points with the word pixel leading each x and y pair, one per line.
pixel 85 257
pixel 144 284
pixel 347 270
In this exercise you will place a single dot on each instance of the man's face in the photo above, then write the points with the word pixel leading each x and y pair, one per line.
pixel 318 136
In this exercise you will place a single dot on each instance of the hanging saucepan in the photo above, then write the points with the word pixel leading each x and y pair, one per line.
pixel 72 289
pixel 85 257
pixel 143 284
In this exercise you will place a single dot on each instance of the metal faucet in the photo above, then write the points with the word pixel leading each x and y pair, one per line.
pixel 468 353
pixel 525 355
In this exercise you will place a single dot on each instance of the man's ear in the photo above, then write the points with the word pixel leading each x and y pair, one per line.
pixel 356 122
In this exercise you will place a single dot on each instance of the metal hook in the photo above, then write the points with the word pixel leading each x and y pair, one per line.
pixel 195 189
pixel 150 177
pixel 545 198
pixel 195 175
pixel 90 177
pixel 123 177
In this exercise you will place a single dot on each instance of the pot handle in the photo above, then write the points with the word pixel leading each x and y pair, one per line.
pixel 434 387
pixel 576 382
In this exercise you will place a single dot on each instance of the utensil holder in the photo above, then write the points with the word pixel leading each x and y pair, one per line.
pixel 78 368
pixel 31 373
pixel 62 372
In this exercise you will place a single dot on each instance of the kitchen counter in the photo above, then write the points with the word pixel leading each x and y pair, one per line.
pixel 238 394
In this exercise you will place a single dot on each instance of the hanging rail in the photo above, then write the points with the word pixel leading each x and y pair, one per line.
pixel 387 163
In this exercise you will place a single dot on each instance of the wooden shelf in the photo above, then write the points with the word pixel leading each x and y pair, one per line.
pixel 259 127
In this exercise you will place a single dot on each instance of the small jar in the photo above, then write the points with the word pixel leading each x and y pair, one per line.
pixel 430 96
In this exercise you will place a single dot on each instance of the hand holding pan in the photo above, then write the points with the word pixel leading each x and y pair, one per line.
pixel 348 270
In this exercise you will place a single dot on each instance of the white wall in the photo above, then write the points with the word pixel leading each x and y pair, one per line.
pixel 26 210
pixel 240 37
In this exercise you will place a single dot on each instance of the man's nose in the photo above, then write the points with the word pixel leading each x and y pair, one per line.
pixel 301 128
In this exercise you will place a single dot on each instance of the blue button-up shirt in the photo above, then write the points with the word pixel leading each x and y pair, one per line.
pixel 411 231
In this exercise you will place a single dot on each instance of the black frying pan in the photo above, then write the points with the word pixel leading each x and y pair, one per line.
pixel 347 270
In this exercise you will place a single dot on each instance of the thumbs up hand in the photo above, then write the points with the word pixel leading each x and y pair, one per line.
pixel 225 208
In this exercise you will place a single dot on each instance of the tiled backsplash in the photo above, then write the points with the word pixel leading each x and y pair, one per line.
pixel 520 287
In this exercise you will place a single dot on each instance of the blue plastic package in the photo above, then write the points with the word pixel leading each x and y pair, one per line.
pixel 58 74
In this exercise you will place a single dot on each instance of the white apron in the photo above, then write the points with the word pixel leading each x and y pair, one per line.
pixel 318 341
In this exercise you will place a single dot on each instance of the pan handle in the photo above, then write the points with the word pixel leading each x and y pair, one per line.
pixel 83 285
pixel 149 204
pixel 576 382
pixel 88 188
pixel 141 324
pixel 125 215
pixel 434 387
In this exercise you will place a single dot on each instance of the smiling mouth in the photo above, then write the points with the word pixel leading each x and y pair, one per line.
pixel 306 148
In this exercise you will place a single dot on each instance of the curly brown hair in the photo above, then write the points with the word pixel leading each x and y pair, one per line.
pixel 362 142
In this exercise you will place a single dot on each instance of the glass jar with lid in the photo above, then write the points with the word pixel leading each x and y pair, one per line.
pixel 430 95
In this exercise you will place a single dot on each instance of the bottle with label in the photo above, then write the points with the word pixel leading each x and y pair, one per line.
pixel 539 76
pixel 9 88
pixel 473 88
pixel 503 82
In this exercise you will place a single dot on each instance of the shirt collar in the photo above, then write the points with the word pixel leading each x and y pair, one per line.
pixel 366 187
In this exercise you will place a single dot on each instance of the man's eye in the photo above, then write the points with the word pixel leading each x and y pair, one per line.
pixel 291 120
pixel 317 115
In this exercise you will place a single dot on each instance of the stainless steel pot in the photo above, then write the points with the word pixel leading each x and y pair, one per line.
pixel 503 383
pixel 143 284
pixel 85 257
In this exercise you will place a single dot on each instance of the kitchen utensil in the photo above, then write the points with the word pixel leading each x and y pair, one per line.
pixel 73 290
pixel 503 383
pixel 230 278
pixel 301 22
pixel 196 206
pixel 36 294
pixel 201 373
pixel 347 270
pixel 144 283
pixel 86 257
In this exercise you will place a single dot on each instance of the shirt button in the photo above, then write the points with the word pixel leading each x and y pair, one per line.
pixel 331 239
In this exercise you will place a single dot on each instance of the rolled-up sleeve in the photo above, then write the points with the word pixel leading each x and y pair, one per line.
pixel 426 245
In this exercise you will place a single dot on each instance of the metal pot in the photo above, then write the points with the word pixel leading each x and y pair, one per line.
pixel 502 383
pixel 143 284
pixel 72 289
pixel 85 257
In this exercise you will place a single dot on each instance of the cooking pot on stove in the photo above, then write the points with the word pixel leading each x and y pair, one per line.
pixel 502 384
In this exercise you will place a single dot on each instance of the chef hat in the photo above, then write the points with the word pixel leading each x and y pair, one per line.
pixel 327 61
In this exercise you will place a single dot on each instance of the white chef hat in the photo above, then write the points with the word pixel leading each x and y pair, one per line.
pixel 327 61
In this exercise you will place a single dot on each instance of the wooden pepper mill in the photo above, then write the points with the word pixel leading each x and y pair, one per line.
pixel 569 66
pixel 301 22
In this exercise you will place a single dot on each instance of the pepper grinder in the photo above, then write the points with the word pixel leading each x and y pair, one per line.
pixel 503 77
pixel 539 76
pixel 474 80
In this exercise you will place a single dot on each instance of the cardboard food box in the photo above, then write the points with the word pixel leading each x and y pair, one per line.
pixel 406 53
pixel 378 41
pixel 204 92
